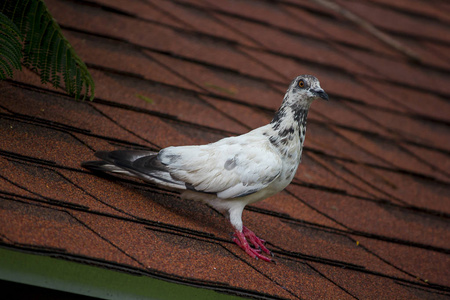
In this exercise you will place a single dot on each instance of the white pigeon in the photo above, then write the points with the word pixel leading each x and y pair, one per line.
pixel 234 171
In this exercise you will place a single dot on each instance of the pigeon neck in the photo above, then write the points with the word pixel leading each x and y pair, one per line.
pixel 288 122
pixel 290 116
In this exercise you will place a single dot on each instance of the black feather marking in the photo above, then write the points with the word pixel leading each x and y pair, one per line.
pixel 300 116
pixel 279 115
pixel 95 166
pixel 274 141
pixel 246 193
pixel 190 187
pixel 128 155
pixel 286 131
pixel 150 162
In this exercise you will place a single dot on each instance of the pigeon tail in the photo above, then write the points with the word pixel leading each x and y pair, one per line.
pixel 136 163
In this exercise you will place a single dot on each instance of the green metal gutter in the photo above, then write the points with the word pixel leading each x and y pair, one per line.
pixel 77 278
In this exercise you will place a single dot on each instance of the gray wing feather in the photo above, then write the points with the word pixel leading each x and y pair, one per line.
pixel 137 163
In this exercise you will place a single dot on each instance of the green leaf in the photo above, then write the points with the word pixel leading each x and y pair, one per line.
pixel 5 69
pixel 10 47
pixel 44 48
pixel 230 91
pixel 57 61
pixel 146 99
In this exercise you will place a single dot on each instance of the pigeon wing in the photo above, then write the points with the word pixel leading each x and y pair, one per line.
pixel 233 167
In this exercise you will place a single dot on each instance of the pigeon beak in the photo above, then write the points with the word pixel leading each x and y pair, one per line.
pixel 320 93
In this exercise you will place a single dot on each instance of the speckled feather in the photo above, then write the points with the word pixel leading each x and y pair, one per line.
pixel 234 171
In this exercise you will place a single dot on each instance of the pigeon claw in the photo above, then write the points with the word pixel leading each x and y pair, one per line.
pixel 255 241
pixel 245 238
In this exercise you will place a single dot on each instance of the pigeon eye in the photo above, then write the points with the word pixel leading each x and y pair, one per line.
pixel 301 83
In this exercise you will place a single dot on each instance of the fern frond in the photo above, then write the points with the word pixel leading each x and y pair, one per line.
pixel 78 84
pixel 67 72
pixel 57 61
pixel 5 69
pixel 10 47
pixel 46 50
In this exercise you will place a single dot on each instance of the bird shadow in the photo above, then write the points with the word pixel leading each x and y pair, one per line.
pixel 194 214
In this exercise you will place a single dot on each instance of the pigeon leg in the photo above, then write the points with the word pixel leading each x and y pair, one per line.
pixel 256 241
pixel 241 241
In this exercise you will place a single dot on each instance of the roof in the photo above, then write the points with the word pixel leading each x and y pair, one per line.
pixel 367 214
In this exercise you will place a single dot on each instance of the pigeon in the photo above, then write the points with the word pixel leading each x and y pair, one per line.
pixel 234 171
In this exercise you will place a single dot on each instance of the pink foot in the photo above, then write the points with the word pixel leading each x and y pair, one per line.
pixel 240 238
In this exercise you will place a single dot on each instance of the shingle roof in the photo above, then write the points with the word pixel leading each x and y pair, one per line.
pixel 367 215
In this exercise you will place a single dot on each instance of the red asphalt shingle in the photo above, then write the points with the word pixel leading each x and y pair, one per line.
pixel 367 215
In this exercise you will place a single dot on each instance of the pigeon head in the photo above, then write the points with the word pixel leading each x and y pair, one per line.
pixel 297 100
pixel 304 89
